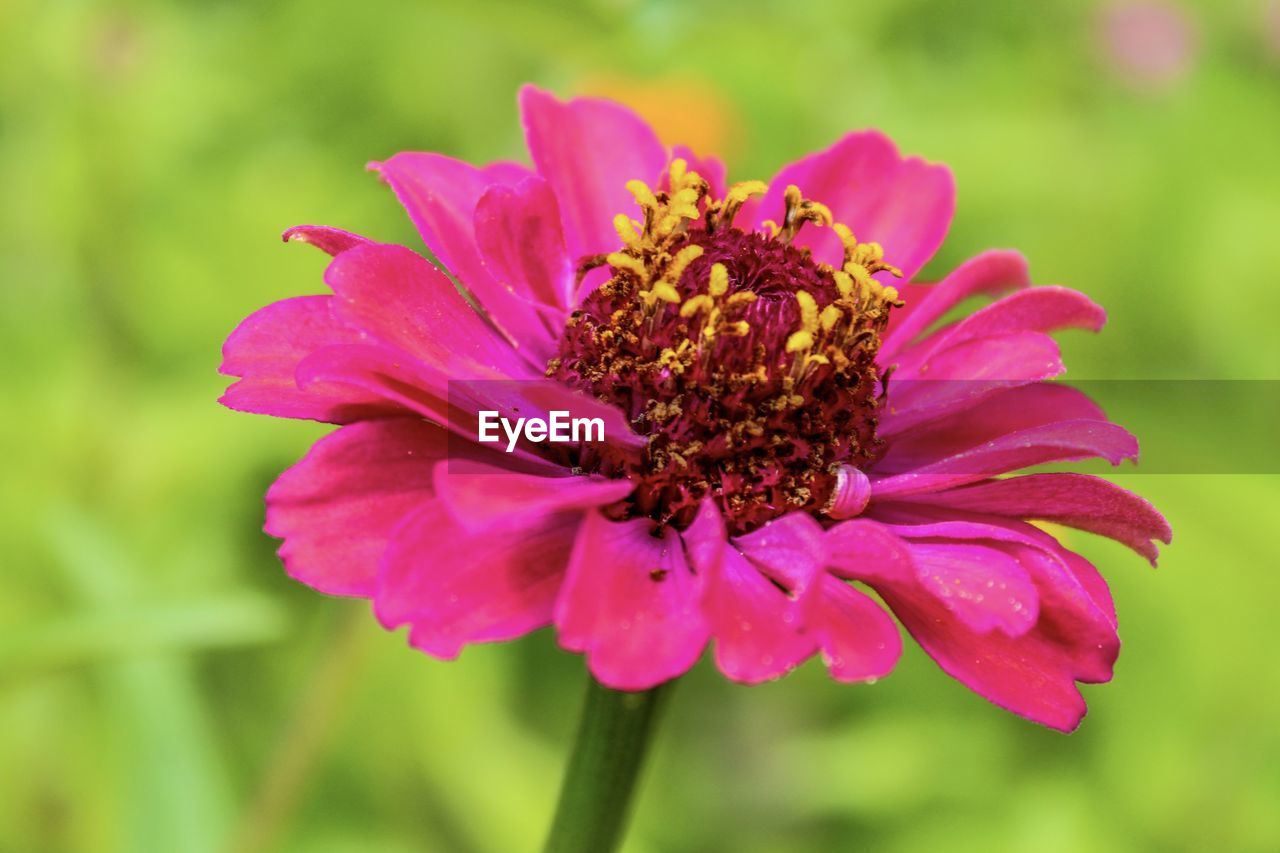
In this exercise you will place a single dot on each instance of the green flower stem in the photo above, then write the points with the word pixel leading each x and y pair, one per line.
pixel 608 753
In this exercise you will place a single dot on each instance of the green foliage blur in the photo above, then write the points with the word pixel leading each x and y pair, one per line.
pixel 164 687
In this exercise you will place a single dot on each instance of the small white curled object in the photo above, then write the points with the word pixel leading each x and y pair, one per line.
pixel 851 494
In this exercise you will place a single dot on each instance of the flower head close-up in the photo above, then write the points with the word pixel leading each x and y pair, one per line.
pixel 802 448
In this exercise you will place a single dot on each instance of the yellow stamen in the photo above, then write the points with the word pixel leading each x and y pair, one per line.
pixel 685 195
pixel 623 261
pixel 743 190
pixel 680 178
pixel 676 171
pixel 808 311
pixel 680 262
pixel 695 304
pixel 800 341
pixel 791 197
pixel 711 328
pixel 847 239
pixel 643 195
pixel 817 213
pixel 737 196
pixel 626 230
pixel 665 292
pixel 800 210
pixel 859 273
pixel 844 283
pixel 829 317
pixel 673 358
pixel 719 281
pixel 873 252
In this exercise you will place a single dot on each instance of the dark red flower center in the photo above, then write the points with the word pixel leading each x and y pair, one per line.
pixel 748 365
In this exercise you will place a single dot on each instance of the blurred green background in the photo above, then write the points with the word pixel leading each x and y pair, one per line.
pixel 164 687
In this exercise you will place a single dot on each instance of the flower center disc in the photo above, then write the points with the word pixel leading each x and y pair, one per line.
pixel 748 365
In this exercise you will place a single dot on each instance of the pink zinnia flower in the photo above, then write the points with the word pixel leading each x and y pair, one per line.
pixel 737 341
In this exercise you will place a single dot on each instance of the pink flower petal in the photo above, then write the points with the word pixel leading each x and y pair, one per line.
pixel 998 414
pixel 952 352
pixel 382 373
pixel 905 204
pixel 400 381
pixel 1061 583
pixel 332 241
pixel 960 377
pixel 705 538
pixel 790 550
pixel 337 507
pixel 440 195
pixel 919 522
pixel 759 631
pixel 398 297
pixel 984 587
pixel 518 231
pixel 913 522
pixel 1076 500
pixel 1037 309
pixel 1009 357
pixel 454 586
pixel 1091 579
pixel 587 149
pixel 757 628
pixel 1070 599
pixel 480 495
pixel 859 641
pixel 1056 442
pixel 991 272
pixel 1033 674
pixel 630 603
pixel 868 551
pixel 265 350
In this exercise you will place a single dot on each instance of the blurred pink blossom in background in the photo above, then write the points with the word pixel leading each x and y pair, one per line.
pixel 1149 44
pixel 1271 28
